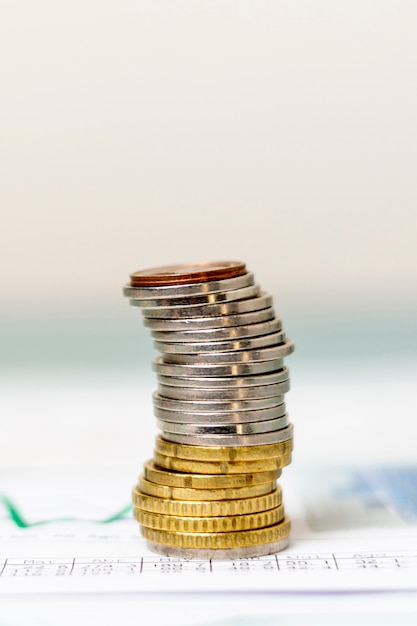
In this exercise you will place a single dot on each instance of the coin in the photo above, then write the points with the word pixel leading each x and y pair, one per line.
pixel 218 554
pixel 191 273
pixel 184 493
pixel 276 436
pixel 221 467
pixel 237 307
pixel 193 289
pixel 238 539
pixel 209 298
pixel 232 418
pixel 210 429
pixel 162 476
pixel 235 369
pixel 219 334
pixel 226 382
pixel 235 356
pixel 207 508
pixel 218 406
pixel 232 394
pixel 223 453
pixel 202 323
pixel 202 348
pixel 179 523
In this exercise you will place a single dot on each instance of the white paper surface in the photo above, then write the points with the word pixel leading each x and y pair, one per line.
pixel 347 535
pixel 353 541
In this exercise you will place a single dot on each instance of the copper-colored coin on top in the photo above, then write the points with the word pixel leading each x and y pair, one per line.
pixel 182 274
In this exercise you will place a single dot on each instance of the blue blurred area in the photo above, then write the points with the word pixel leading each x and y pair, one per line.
pixel 95 340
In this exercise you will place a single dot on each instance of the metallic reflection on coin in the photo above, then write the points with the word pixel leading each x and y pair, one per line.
pixel 220 417
pixel 215 428
pixel 219 406
pixel 201 394
pixel 217 296
pixel 226 382
pixel 258 439
pixel 219 334
pixel 202 323
pixel 216 453
pixel 240 539
pixel 194 289
pixel 235 356
pixel 221 554
pixel 233 369
pixel 249 343
pixel 220 467
pixel 192 273
pixel 226 309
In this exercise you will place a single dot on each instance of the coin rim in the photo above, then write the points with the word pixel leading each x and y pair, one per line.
pixel 231 269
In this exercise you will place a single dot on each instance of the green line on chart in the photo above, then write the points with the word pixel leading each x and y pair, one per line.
pixel 16 516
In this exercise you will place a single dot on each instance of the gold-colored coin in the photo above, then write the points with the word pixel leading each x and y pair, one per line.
pixel 232 523
pixel 221 467
pixel 184 493
pixel 223 453
pixel 162 476
pixel 208 508
pixel 262 536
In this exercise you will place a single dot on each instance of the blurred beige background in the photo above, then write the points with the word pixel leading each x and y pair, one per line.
pixel 146 132
pixel 140 133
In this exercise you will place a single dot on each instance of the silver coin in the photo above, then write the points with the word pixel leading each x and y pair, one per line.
pixel 218 296
pixel 235 369
pixel 247 343
pixel 221 417
pixel 261 439
pixel 220 334
pixel 237 393
pixel 218 406
pixel 246 552
pixel 210 429
pixel 234 356
pixel 194 289
pixel 200 323
pixel 238 307
pixel 229 382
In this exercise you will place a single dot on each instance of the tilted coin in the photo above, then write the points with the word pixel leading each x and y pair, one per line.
pixel 184 493
pixel 221 467
pixel 235 356
pixel 201 323
pixel 191 273
pixel 237 539
pixel 219 334
pixel 200 394
pixel 162 476
pixel 228 554
pixel 178 523
pixel 204 347
pixel 225 382
pixel 220 417
pixel 258 439
pixel 262 301
pixel 212 428
pixel 223 453
pixel 190 289
pixel 217 296
pixel 216 406
pixel 235 369
pixel 207 508
pixel 233 418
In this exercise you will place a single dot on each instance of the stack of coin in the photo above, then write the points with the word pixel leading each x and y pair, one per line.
pixel 210 490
